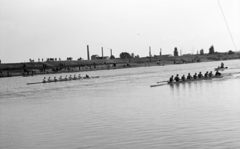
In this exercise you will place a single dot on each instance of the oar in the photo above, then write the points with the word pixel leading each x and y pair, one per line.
pixel 157 85
pixel 166 81
pixel 34 83
pixel 162 81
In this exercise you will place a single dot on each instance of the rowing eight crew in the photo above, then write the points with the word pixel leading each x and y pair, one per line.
pixel 195 76
pixel 64 79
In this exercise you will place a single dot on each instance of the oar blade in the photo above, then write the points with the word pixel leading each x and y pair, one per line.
pixel 34 83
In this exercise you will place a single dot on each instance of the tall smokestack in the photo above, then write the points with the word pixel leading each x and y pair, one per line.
pixel 88 52
pixel 160 51
pixel 110 52
pixel 150 55
pixel 102 52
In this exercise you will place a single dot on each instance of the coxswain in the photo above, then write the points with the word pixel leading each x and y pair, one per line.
pixel 222 65
pixel 87 76
pixel 176 78
pixel 44 80
pixel 183 78
pixel 171 79
pixel 217 73
pixel 49 79
pixel 195 76
pixel 206 74
pixel 189 77
pixel 200 75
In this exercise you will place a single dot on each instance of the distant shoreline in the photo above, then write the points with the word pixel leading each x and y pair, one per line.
pixel 56 67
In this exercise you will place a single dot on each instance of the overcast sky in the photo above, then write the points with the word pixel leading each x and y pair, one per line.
pixel 63 28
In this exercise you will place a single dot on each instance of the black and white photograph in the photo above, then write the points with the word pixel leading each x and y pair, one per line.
pixel 119 74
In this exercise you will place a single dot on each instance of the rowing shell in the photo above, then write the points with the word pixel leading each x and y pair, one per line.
pixel 192 80
pixel 220 68
pixel 62 80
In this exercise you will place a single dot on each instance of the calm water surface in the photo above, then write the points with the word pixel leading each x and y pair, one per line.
pixel 120 110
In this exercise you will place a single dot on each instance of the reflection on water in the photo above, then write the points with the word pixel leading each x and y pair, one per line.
pixel 120 110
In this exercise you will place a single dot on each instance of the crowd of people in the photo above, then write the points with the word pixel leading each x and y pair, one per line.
pixel 64 79
pixel 194 77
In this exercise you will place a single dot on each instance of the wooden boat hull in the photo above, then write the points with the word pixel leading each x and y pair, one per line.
pixel 62 80
pixel 192 80
pixel 27 75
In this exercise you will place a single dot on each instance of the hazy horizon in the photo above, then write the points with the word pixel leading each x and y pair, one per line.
pixel 61 28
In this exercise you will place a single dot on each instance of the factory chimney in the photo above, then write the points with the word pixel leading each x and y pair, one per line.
pixel 102 52
pixel 88 53
pixel 150 55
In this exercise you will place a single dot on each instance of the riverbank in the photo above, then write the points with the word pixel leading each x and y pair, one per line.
pixel 34 72
pixel 50 67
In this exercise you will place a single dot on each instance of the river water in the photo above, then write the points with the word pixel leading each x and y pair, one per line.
pixel 119 110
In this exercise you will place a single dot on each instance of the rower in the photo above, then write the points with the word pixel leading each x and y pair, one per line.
pixel 79 76
pixel 66 78
pixel 206 74
pixel 195 76
pixel 171 79
pixel 183 78
pixel 74 77
pixel 70 77
pixel 60 78
pixel 189 77
pixel 176 78
pixel 55 79
pixel 217 73
pixel 200 75
pixel 222 65
pixel 44 80
pixel 210 74
pixel 49 79
pixel 87 76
